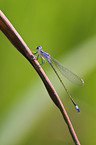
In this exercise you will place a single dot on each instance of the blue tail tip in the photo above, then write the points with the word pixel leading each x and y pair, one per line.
pixel 77 108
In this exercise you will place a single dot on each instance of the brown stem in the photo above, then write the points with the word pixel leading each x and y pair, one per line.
pixel 10 32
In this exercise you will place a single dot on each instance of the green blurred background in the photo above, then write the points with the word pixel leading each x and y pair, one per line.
pixel 66 30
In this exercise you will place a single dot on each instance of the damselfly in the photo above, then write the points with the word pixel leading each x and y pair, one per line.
pixel 66 72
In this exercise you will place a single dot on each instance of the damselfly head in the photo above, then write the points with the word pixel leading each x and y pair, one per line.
pixel 38 48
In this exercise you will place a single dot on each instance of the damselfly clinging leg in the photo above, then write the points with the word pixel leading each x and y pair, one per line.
pixel 66 72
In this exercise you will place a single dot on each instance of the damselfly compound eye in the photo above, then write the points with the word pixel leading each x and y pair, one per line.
pixel 38 47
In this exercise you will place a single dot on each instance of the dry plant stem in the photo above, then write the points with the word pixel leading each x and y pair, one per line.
pixel 10 32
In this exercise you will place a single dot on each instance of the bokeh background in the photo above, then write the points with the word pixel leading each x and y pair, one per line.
pixel 66 30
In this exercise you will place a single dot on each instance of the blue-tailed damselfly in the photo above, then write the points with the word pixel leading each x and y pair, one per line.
pixel 66 72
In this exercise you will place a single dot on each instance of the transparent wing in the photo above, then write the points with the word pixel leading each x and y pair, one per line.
pixel 67 73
